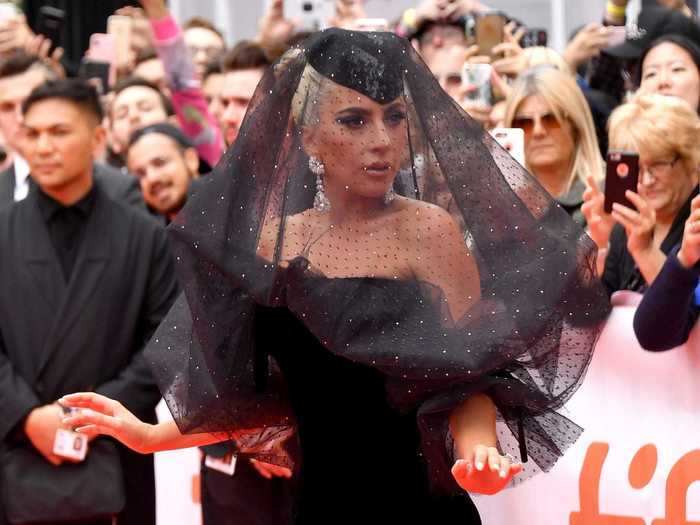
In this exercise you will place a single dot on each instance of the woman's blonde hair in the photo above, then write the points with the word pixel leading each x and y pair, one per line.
pixel 306 97
pixel 543 56
pixel 660 126
pixel 564 97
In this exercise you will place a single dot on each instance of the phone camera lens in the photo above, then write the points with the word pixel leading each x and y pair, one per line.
pixel 307 7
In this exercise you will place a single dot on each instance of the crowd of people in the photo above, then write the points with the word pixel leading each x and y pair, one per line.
pixel 249 153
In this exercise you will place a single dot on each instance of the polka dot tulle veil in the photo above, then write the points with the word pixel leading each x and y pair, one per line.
pixel 435 259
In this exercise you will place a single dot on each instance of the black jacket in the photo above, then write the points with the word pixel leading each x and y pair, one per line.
pixel 87 334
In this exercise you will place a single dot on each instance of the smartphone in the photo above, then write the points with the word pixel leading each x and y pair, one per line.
pixel 621 174
pixel 372 24
pixel 120 28
pixel 477 78
pixel 50 24
pixel 535 38
pixel 489 31
pixel 97 73
pixel 313 15
pixel 617 37
pixel 103 47
pixel 513 141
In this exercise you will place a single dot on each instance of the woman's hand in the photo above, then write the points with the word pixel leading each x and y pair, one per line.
pixel 100 415
pixel 486 472
pixel 638 224
pixel 587 43
pixel 689 254
pixel 600 224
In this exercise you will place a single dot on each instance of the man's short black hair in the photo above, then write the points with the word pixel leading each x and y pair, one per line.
pixel 245 55
pixel 145 54
pixel 75 90
pixel 174 133
pixel 129 82
pixel 212 68
pixel 19 62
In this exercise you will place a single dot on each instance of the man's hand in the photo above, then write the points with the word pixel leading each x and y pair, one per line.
pixel 41 426
pixel 40 46
pixel 14 34
pixel 347 13
pixel 155 9
pixel 269 471
pixel 273 28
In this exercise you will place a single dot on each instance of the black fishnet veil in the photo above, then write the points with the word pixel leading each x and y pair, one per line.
pixel 250 237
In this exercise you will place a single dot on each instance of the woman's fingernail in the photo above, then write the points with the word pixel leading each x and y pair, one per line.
pixel 479 465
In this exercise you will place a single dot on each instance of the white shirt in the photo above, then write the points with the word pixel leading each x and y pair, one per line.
pixel 21 178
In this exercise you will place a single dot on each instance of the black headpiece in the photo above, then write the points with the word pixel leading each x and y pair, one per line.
pixel 363 61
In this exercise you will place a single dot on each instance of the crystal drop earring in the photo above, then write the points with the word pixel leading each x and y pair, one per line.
pixel 321 202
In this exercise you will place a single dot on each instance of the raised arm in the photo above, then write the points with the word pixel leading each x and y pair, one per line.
pixel 188 98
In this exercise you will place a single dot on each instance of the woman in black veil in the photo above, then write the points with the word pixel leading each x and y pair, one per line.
pixel 370 277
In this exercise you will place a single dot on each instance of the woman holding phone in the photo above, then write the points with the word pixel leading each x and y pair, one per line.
pixel 633 243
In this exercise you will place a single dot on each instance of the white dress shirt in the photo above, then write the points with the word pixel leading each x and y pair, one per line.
pixel 21 178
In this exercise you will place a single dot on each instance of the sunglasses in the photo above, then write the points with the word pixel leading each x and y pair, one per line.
pixel 549 121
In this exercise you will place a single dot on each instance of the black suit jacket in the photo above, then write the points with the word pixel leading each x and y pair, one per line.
pixel 87 334
pixel 119 186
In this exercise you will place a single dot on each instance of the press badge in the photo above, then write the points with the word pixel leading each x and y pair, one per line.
pixel 225 465
pixel 70 445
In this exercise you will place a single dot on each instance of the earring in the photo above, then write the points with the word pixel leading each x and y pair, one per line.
pixel 389 196
pixel 321 202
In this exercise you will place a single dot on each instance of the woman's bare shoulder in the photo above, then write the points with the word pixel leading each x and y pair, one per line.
pixel 425 218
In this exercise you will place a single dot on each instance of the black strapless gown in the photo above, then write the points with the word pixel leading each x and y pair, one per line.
pixel 360 457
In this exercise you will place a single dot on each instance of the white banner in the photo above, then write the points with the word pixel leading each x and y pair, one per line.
pixel 177 483
pixel 639 456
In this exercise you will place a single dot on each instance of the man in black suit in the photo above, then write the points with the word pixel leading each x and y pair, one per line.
pixel 20 73
pixel 94 277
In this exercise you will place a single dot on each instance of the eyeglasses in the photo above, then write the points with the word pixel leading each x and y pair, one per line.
pixel 549 121
pixel 659 168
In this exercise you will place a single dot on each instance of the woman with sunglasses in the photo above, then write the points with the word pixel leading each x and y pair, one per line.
pixel 633 243
pixel 561 148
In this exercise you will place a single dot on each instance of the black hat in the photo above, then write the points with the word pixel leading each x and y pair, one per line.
pixel 365 62
pixel 654 22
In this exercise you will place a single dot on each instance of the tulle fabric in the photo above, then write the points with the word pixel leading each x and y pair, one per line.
pixel 250 237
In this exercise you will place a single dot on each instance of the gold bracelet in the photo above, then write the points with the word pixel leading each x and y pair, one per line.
pixel 615 10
